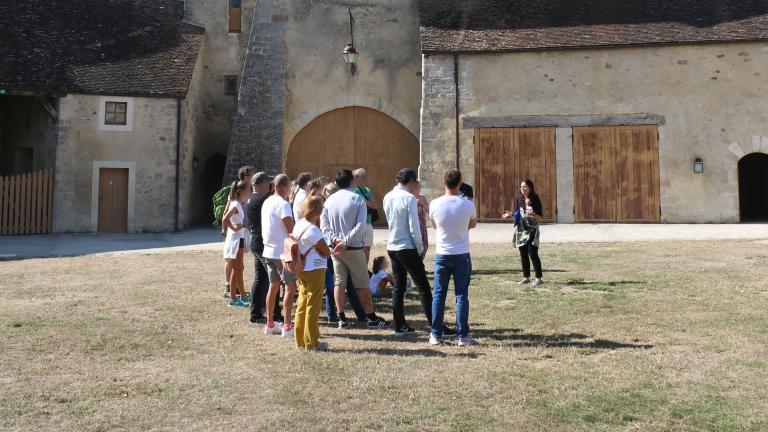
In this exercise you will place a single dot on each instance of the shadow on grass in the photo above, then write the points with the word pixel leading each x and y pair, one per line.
pixel 496 272
pixel 423 352
pixel 517 338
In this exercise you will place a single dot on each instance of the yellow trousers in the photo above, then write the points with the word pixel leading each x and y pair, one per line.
pixel 311 290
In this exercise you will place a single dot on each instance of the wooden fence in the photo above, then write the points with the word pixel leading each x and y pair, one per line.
pixel 26 202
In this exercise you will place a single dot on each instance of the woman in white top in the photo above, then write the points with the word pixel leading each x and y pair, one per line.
pixel 234 242
pixel 315 251
pixel 299 194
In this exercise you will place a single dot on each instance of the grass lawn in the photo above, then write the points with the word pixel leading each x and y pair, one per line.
pixel 626 336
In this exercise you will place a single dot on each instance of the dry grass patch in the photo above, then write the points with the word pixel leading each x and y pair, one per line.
pixel 632 336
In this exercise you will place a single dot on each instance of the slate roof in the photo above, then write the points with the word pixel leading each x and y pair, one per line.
pixel 509 25
pixel 116 47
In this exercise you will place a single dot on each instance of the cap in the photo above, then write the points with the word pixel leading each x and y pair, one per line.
pixel 261 177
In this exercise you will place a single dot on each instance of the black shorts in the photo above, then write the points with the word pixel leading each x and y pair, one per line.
pixel 242 244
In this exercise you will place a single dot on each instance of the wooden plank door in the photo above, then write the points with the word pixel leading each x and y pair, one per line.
pixel 506 156
pixel 113 200
pixel 355 137
pixel 616 174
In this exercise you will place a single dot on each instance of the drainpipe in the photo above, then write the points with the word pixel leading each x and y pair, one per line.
pixel 178 166
pixel 458 106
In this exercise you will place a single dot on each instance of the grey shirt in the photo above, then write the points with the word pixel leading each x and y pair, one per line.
pixel 344 218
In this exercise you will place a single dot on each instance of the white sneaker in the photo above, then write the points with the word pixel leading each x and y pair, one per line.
pixel 273 330
pixel 537 281
pixel 434 341
pixel 466 341
pixel 524 281
pixel 287 333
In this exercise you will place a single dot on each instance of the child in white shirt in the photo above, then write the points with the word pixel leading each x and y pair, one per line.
pixel 380 278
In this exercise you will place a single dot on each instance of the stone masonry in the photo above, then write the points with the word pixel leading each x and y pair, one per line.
pixel 438 122
pixel 257 127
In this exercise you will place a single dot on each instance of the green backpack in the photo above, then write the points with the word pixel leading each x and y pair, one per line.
pixel 219 204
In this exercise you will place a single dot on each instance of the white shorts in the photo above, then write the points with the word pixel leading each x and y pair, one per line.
pixel 368 236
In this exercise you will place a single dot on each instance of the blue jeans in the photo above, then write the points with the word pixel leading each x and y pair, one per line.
pixel 460 267
pixel 330 302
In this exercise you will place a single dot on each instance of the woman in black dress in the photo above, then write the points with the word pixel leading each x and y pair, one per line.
pixel 529 205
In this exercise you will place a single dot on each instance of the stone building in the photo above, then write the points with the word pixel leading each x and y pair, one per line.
pixel 612 108
pixel 109 99
pixel 638 111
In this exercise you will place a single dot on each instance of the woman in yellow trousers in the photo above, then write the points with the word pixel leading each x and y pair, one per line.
pixel 312 280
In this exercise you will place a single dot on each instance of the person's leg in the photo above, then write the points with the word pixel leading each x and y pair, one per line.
pixel 274 290
pixel 462 274
pixel 415 266
pixel 398 294
pixel 358 270
pixel 354 301
pixel 314 305
pixel 533 251
pixel 290 296
pixel 442 278
pixel 341 273
pixel 526 263
pixel 232 280
pixel 260 288
pixel 301 312
pixel 368 242
pixel 228 276
pixel 330 303
pixel 240 269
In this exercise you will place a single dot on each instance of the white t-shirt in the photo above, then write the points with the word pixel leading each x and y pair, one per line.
pixel 376 280
pixel 312 235
pixel 452 215
pixel 273 230
pixel 298 200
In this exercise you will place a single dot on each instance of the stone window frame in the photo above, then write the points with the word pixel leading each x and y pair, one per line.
pixel 104 126
pixel 228 80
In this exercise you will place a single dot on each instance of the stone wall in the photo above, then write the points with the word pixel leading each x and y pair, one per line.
pixel 710 98
pixel 293 71
pixel 150 146
pixel 193 199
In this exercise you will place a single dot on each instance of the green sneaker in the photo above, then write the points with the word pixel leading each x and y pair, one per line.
pixel 236 303
pixel 246 298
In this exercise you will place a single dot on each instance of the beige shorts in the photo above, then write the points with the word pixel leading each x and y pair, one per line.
pixel 350 263
pixel 368 235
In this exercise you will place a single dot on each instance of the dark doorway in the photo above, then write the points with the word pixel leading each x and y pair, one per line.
pixel 753 187
pixel 214 176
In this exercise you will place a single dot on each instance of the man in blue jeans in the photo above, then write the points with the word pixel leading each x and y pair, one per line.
pixel 452 216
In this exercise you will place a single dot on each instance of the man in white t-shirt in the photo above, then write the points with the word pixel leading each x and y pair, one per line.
pixel 276 223
pixel 452 216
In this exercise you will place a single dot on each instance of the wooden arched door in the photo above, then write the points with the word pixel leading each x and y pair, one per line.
pixel 355 137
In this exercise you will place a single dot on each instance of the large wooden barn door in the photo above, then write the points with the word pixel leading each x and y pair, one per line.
pixel 355 137
pixel 505 156
pixel 616 174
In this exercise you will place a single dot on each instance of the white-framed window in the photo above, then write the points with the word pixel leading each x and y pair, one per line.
pixel 115 113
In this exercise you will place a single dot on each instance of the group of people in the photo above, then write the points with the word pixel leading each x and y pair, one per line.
pixel 330 224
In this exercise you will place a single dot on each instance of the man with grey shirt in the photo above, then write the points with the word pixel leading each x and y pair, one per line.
pixel 343 224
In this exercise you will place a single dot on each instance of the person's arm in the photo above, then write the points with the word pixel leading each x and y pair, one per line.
pixel 357 233
pixel 414 225
pixel 288 222
pixel 226 221
pixel 325 227
pixel 371 203
pixel 322 248
pixel 473 219
pixel 537 209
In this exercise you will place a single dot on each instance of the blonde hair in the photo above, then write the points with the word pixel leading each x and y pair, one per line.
pixel 312 207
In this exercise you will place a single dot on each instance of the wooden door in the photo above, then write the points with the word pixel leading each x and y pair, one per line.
pixel 355 137
pixel 616 174
pixel 506 156
pixel 113 200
